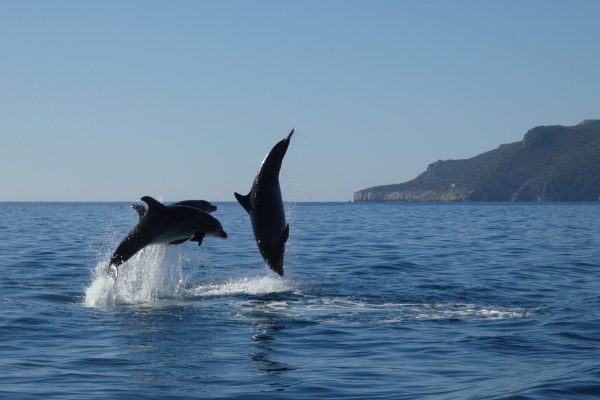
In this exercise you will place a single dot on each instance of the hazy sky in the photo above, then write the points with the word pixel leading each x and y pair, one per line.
pixel 112 100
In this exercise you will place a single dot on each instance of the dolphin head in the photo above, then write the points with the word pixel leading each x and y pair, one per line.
pixel 222 234
pixel 216 229
pixel 273 256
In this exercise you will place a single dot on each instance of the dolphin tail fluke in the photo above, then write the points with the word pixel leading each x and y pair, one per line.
pixel 244 201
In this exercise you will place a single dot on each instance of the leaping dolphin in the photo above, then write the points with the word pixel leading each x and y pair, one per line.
pixel 165 224
pixel 265 206
pixel 202 205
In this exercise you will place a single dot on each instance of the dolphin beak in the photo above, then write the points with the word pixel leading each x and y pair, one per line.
pixel 277 265
pixel 223 234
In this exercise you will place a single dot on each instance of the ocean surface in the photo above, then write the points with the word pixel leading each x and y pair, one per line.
pixel 379 301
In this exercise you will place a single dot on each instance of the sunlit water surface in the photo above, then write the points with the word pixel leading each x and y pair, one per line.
pixel 379 301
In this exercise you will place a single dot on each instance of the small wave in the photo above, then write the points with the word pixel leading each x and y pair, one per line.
pixel 154 273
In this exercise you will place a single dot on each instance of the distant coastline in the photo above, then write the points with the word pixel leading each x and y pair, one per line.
pixel 551 164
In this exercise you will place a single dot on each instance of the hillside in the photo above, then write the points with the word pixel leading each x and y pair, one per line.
pixel 551 163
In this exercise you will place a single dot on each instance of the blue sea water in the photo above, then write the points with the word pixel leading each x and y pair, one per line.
pixel 379 301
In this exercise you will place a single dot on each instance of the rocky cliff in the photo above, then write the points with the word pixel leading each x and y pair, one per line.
pixel 551 163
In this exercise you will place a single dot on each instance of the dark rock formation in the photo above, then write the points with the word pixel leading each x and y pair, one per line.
pixel 551 163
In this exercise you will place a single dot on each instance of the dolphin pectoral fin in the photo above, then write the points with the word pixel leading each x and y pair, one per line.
pixel 244 201
pixel 178 241
pixel 140 209
pixel 198 238
pixel 153 204
pixel 286 233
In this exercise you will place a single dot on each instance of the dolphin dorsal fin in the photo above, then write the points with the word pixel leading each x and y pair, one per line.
pixel 244 201
pixel 153 204
pixel 286 233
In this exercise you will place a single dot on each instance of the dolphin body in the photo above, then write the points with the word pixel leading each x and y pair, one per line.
pixel 265 206
pixel 165 224
pixel 202 205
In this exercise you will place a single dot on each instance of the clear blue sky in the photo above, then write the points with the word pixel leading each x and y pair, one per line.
pixel 112 100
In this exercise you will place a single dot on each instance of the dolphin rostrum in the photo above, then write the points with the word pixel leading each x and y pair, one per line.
pixel 265 206
pixel 172 224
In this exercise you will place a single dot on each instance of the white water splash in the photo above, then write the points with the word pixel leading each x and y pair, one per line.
pixel 251 286
pixel 156 274
pixel 153 273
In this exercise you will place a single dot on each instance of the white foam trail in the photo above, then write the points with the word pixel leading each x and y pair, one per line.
pixel 355 311
pixel 153 273
pixel 459 311
pixel 252 286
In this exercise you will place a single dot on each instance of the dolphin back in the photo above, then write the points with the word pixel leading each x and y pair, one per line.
pixel 201 205
pixel 269 174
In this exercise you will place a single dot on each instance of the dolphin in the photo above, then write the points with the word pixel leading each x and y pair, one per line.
pixel 172 224
pixel 202 205
pixel 265 206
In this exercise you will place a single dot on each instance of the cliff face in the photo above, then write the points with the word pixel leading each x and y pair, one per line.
pixel 551 163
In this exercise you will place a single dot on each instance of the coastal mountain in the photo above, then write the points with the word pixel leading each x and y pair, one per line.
pixel 551 163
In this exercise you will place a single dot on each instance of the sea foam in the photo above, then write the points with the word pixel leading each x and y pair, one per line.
pixel 247 285
pixel 152 274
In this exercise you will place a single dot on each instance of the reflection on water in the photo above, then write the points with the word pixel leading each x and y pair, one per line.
pixel 266 349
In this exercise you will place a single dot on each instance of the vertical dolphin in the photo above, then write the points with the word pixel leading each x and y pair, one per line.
pixel 265 206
